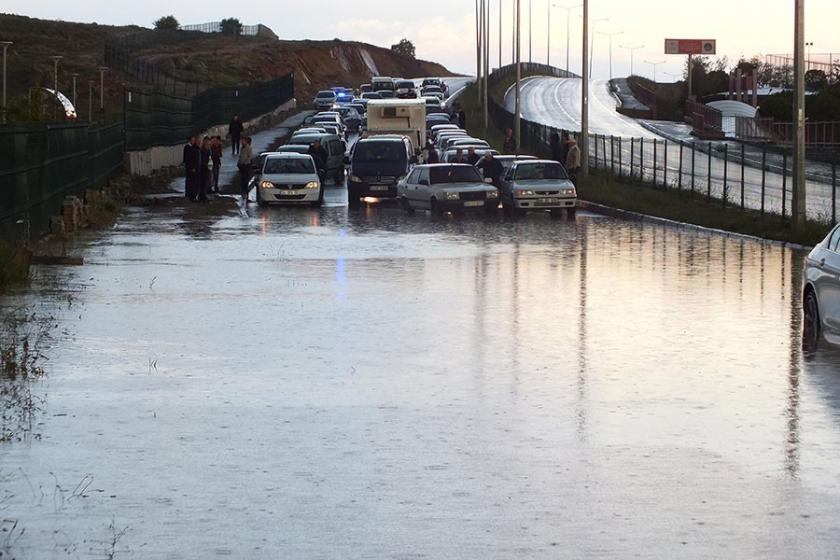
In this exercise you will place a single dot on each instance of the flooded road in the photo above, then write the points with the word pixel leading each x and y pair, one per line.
pixel 295 383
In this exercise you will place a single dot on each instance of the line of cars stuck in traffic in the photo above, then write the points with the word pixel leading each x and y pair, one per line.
pixel 387 162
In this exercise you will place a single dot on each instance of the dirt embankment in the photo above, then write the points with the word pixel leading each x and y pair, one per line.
pixel 211 59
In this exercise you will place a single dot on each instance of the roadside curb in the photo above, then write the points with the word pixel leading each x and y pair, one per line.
pixel 647 218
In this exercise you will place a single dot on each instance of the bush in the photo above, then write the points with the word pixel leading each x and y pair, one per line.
pixel 231 26
pixel 167 22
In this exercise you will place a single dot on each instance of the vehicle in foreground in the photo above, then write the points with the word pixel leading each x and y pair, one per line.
pixel 324 100
pixel 376 166
pixel 447 188
pixel 821 293
pixel 289 178
pixel 538 185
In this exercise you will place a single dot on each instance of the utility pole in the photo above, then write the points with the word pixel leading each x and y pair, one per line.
pixel 517 31
pixel 632 50
pixel 568 28
pixel 486 65
pixel 478 27
pixel 530 30
pixel 592 43
pixel 655 64
pixel 102 70
pixel 548 29
pixel 798 206
pixel 75 75
pixel 5 45
pixel 90 100
pixel 500 33
pixel 690 75
pixel 584 98
pixel 55 60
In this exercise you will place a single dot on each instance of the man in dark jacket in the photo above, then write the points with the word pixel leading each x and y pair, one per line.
pixel 472 157
pixel 235 131
pixel 192 168
pixel 319 154
pixel 492 168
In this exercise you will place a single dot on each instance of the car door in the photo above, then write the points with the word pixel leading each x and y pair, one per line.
pixel 423 191
pixel 410 192
pixel 827 282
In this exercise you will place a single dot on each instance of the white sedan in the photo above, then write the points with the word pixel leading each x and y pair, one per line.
pixel 286 177
pixel 538 185
pixel 821 292
pixel 446 188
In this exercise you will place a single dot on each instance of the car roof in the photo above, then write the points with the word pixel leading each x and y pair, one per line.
pixel 535 160
pixel 326 91
pixel 286 155
pixel 312 136
pixel 431 165
pixel 383 138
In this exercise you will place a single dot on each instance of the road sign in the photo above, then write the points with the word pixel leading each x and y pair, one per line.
pixel 690 46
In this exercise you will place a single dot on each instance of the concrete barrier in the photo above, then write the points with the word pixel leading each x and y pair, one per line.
pixel 146 162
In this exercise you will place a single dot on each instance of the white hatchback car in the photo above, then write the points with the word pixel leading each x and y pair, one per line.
pixel 821 292
pixel 446 188
pixel 289 178
pixel 538 185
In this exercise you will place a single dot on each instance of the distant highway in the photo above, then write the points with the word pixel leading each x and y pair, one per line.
pixel 556 102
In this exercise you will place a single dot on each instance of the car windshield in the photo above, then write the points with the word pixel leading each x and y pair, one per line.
pixel 325 94
pixel 405 85
pixel 287 166
pixel 537 171
pixel 454 174
pixel 379 151
pixel 324 119
pixel 294 148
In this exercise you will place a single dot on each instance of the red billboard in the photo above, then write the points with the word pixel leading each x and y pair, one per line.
pixel 690 46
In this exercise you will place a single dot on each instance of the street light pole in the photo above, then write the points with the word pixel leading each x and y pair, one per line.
pixel 500 33
pixel 75 75
pixel 632 50
pixel 517 31
pixel 102 70
pixel 548 29
pixel 654 64
pixel 486 64
pixel 798 205
pixel 5 45
pixel 568 28
pixel 592 43
pixel 610 36
pixel 584 110
pixel 55 60
pixel 530 30
pixel 90 100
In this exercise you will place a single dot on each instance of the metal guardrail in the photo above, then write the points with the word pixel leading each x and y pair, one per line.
pixel 41 164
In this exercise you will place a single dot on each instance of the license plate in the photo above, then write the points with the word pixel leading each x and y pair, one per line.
pixel 473 203
pixel 379 187
pixel 548 201
pixel 288 193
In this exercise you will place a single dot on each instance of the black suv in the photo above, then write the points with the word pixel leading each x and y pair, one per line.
pixel 376 165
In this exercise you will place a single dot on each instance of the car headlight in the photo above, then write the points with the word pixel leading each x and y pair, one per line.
pixel 569 192
pixel 493 194
pixel 452 196
pixel 312 185
pixel 355 179
pixel 524 192
pixel 267 185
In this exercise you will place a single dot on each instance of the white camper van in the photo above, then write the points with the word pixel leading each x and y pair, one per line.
pixel 406 117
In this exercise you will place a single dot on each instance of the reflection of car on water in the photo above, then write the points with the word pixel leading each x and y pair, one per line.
pixel 821 291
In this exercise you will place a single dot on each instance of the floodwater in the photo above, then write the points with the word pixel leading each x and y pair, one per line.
pixel 295 383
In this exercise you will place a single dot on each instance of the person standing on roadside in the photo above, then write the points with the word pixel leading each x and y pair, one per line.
pixel 573 160
pixel 564 147
pixel 459 156
pixel 216 157
pixel 192 168
pixel 510 143
pixel 430 155
pixel 235 132
pixel 204 168
pixel 462 118
pixel 246 156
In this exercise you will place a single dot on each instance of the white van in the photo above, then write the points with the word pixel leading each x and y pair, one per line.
pixel 404 117
pixel 287 177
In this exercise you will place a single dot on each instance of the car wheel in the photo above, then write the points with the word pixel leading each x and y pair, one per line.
pixel 260 201
pixel 407 206
pixel 434 207
pixel 811 321
pixel 571 212
pixel 353 198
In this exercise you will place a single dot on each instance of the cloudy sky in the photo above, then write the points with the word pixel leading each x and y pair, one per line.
pixel 443 30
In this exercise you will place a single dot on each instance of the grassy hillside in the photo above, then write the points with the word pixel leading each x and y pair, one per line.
pixel 211 59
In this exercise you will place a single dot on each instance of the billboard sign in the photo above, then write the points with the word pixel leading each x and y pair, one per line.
pixel 690 46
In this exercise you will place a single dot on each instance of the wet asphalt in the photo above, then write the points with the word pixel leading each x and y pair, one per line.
pixel 335 383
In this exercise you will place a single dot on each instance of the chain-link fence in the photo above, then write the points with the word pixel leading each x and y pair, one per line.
pixel 735 174
pixel 41 164
pixel 159 119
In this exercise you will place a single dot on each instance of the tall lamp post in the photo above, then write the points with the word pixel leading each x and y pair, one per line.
pixel 591 27
pixel 90 100
pixel 654 64
pixel 610 36
pixel 517 32
pixel 584 98
pixel 530 30
pixel 102 70
pixel 55 60
pixel 75 75
pixel 5 45
pixel 798 203
pixel 568 27
pixel 632 50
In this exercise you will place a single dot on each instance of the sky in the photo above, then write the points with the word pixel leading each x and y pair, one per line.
pixel 444 30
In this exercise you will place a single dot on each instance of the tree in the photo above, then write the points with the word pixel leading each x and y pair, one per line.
pixel 231 26
pixel 815 80
pixel 167 22
pixel 404 48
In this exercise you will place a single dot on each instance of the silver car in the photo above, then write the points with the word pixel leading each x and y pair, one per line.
pixel 538 185
pixel 821 292
pixel 446 188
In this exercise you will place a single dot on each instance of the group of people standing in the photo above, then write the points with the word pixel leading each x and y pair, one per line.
pixel 202 163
